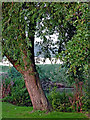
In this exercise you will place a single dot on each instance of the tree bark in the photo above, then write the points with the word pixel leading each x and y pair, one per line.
pixel 35 91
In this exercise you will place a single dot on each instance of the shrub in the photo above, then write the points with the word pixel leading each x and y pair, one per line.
pixel 13 73
pixel 85 98
pixel 60 101
pixel 86 103
pixel 69 102
pixel 18 93
pixel 6 85
pixel 3 68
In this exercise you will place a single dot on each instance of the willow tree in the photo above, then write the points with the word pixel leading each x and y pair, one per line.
pixel 18 47
pixel 19 23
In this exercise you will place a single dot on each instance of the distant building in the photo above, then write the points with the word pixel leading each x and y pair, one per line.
pixel 38 60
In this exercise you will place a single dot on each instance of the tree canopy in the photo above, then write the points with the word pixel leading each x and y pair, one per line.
pixel 69 20
pixel 77 49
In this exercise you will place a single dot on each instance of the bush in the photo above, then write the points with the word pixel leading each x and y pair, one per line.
pixel 18 93
pixel 6 85
pixel 3 68
pixel 67 102
pixel 13 73
pixel 86 100
pixel 60 101
pixel 86 103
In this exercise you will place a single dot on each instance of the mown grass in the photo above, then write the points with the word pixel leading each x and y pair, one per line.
pixel 12 111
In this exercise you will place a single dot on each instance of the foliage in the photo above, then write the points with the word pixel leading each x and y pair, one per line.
pixel 3 68
pixel 69 102
pixel 86 103
pixel 50 73
pixel 81 75
pixel 42 19
pixel 45 19
pixel 53 21
pixel 53 72
pixel 13 73
pixel 59 73
pixel 13 81
pixel 85 98
pixel 77 49
pixel 26 112
pixel 14 23
pixel 60 101
pixel 17 93
pixel 6 87
pixel 68 20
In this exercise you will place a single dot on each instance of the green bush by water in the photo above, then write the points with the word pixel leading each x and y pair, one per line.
pixel 60 101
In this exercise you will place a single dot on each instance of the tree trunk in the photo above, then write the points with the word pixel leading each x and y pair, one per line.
pixel 35 91
pixel 33 86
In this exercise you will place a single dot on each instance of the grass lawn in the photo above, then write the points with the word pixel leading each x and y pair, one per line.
pixel 12 111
